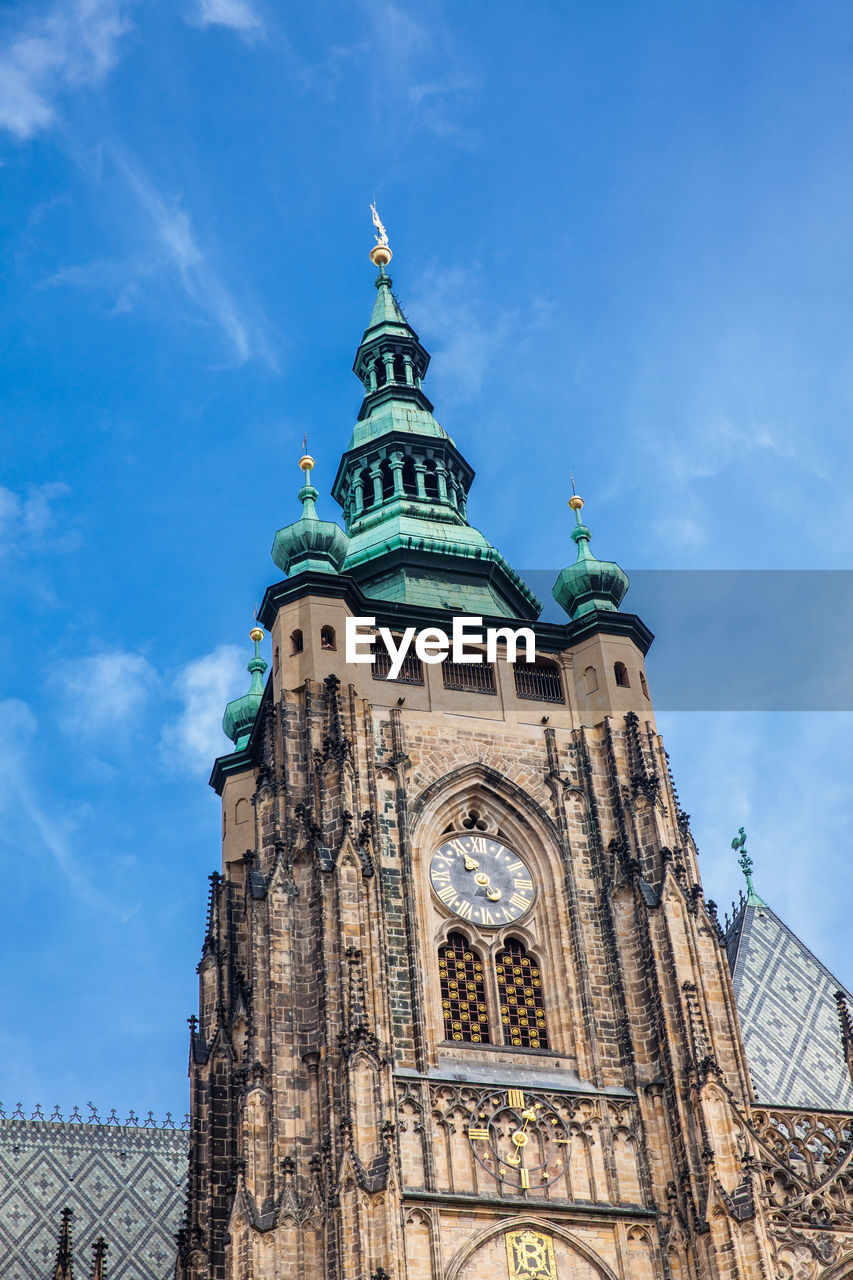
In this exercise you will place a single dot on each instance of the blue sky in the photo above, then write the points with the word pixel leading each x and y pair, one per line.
pixel 622 230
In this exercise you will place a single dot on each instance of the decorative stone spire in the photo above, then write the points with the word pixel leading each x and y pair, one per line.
pixel 240 714
pixel 589 584
pixel 846 1031
pixel 403 485
pixel 63 1270
pixel 99 1266
pixel 745 864
pixel 310 543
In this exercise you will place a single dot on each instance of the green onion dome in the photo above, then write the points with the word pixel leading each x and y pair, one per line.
pixel 309 543
pixel 588 584
pixel 240 714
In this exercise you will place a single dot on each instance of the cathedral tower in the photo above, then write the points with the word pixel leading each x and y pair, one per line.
pixel 464 1011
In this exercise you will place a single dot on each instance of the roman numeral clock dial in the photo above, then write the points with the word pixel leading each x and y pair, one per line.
pixel 481 880
pixel 519 1139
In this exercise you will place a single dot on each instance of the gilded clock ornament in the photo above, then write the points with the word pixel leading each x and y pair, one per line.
pixel 519 1139
pixel 481 880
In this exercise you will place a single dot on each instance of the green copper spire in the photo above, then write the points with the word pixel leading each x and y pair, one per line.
pixel 588 584
pixel 310 543
pixel 240 714
pixel 745 864
pixel 403 485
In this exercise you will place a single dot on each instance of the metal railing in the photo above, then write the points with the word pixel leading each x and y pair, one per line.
pixel 411 671
pixel 473 677
pixel 538 680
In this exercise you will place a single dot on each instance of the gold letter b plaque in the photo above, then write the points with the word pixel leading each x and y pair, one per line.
pixel 530 1255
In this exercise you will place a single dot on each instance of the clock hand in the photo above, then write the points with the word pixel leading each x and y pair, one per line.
pixel 491 894
pixel 520 1138
pixel 470 863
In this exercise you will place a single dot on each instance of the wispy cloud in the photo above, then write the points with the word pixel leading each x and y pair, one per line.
pixel 239 15
pixel 27 820
pixel 72 45
pixel 105 691
pixel 465 335
pixel 28 519
pixel 194 738
pixel 173 248
pixel 422 86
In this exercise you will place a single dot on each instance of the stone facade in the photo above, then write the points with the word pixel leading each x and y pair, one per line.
pixel 333 1118
pixel 464 1013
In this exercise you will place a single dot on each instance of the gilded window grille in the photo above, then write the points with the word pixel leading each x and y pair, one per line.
pixel 463 992
pixel 520 991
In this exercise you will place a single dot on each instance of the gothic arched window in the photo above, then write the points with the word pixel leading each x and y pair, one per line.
pixel 410 483
pixel 387 476
pixel 520 992
pixel 620 671
pixel 431 481
pixel 463 992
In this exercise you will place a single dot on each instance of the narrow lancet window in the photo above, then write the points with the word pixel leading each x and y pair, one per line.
pixel 520 993
pixel 463 992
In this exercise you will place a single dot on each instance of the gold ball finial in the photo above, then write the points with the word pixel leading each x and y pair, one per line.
pixel 306 462
pixel 576 502
pixel 380 254
pixel 256 634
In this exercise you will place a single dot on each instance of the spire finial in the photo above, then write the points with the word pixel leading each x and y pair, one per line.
pixel 575 501
pixel 63 1268
pixel 846 1031
pixel 99 1269
pixel 306 462
pixel 307 495
pixel 380 254
pixel 746 864
pixel 589 584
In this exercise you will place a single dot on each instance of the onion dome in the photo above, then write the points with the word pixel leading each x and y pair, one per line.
pixel 240 714
pixel 588 585
pixel 309 543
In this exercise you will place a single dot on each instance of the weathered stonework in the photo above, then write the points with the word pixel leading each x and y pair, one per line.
pixel 331 1118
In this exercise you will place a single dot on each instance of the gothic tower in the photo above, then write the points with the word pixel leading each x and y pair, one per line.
pixel 464 1011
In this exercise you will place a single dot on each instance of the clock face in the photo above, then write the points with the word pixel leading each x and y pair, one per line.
pixel 481 880
pixel 519 1138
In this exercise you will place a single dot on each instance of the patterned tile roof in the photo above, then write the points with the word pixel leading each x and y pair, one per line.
pixel 788 1013
pixel 124 1182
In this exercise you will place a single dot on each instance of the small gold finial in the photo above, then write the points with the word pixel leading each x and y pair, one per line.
pixel 256 634
pixel 380 254
pixel 306 462
pixel 575 501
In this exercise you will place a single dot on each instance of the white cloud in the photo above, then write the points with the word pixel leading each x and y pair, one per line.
pixel 239 15
pixel 195 737
pixel 783 776
pixel 27 820
pixel 173 248
pixel 105 691
pixel 447 306
pixel 71 46
pixel 27 519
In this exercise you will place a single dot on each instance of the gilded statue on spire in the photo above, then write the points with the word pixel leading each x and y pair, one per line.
pixel 380 254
